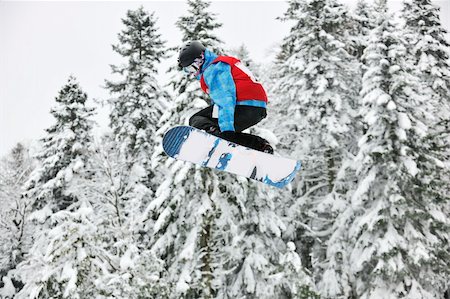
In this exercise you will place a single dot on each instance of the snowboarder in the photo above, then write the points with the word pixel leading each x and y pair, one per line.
pixel 238 101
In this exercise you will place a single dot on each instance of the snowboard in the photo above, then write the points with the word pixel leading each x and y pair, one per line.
pixel 196 146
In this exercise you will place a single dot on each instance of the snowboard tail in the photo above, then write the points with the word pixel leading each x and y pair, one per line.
pixel 193 145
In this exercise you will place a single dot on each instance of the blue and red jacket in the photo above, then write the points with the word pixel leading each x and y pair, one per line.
pixel 229 83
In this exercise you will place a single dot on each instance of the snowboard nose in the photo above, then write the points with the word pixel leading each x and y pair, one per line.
pixel 174 139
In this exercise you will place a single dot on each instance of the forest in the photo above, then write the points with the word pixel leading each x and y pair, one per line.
pixel 361 96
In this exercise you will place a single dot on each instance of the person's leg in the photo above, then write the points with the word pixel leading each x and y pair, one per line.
pixel 247 116
pixel 244 118
pixel 203 120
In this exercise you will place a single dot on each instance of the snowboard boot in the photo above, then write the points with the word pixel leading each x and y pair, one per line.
pixel 266 148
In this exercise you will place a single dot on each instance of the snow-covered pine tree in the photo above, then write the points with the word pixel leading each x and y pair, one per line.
pixel 317 95
pixel 14 171
pixel 289 45
pixel 94 250
pixel 138 101
pixel 399 230
pixel 72 261
pixel 316 81
pixel 65 149
pixel 14 231
pixel 430 53
pixel 181 219
pixel 199 24
pixel 116 194
pixel 114 188
pixel 124 180
pixel 137 273
pixel 364 23
pixel 66 261
pixel 64 155
pixel 254 261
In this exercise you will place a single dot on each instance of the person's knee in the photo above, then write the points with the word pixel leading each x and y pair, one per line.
pixel 193 121
pixel 203 123
pixel 264 114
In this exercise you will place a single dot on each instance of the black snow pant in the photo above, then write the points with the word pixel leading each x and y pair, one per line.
pixel 244 118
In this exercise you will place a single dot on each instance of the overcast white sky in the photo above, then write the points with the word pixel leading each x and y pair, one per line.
pixel 42 43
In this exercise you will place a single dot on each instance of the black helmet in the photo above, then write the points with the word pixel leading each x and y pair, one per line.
pixel 189 52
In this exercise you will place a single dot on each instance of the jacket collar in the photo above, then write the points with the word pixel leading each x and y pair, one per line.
pixel 209 58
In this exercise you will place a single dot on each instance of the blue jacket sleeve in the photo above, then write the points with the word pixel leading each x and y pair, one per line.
pixel 222 90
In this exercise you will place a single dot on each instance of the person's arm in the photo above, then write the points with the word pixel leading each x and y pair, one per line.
pixel 222 90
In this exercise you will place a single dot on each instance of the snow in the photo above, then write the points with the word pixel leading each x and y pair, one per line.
pixel 363 187
pixel 137 172
pixel 418 292
pixel 403 121
pixel 291 246
pixel 439 163
pixel 85 211
pixel 189 246
pixel 70 274
pixel 383 99
pixel 391 240
pixel 41 215
pixel 267 134
pixel 401 134
pixel 8 290
pixel 380 292
pixel 77 146
pixel 126 261
pixel 322 84
pixel 162 219
pixel 371 117
pixel 181 174
pixel 330 284
pixel 439 215
pixel 411 166
pixel 249 278
pixel 391 105
pixel 79 164
pixel 162 194
pixel 183 283
pixel 291 257
pixel 68 175
pixel 81 254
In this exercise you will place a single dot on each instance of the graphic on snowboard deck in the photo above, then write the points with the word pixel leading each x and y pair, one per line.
pixel 192 145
